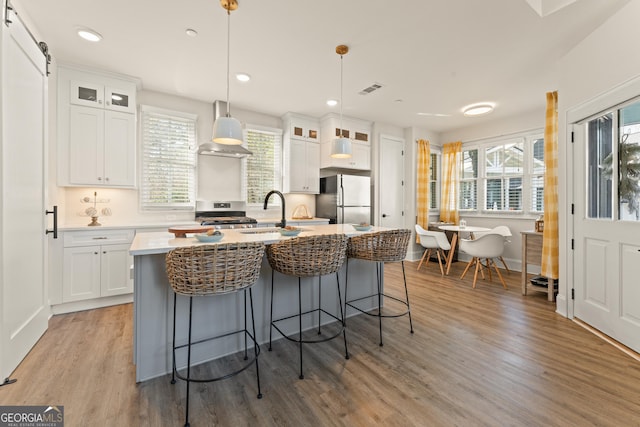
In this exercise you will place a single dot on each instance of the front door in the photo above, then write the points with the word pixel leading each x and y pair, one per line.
pixel 23 286
pixel 391 183
pixel 607 222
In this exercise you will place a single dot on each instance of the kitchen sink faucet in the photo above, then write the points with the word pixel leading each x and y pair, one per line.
pixel 283 223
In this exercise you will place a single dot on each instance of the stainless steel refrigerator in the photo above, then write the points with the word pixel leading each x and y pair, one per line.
pixel 344 199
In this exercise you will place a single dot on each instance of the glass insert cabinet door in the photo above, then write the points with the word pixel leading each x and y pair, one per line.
pixel 100 96
pixel 613 164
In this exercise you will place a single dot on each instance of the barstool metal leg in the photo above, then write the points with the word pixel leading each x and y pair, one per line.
pixel 245 325
pixel 344 325
pixel 253 327
pixel 406 292
pixel 346 285
pixel 186 419
pixel 378 276
pixel 173 352
pixel 300 324
pixel 271 315
pixel 319 304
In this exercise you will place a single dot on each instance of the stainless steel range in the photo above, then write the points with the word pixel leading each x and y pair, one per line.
pixel 223 215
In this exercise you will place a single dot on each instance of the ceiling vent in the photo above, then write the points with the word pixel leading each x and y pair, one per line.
pixel 372 88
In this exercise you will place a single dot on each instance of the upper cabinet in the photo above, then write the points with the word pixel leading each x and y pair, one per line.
pixel 358 131
pixel 96 129
pixel 301 154
pixel 101 96
pixel 302 127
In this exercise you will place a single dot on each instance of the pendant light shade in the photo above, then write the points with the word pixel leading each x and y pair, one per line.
pixel 226 129
pixel 341 146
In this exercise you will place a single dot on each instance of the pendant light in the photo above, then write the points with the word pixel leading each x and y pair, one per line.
pixel 226 129
pixel 341 146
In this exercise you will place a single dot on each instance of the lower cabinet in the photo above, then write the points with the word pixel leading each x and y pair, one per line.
pixel 96 264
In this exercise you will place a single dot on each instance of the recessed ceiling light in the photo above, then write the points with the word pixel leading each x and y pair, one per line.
pixel 243 77
pixel 191 32
pixel 332 102
pixel 434 115
pixel 477 109
pixel 89 35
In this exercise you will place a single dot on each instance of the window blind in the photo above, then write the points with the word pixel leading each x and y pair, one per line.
pixel 263 170
pixel 168 159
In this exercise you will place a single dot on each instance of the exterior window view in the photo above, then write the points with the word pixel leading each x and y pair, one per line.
pixel 320 214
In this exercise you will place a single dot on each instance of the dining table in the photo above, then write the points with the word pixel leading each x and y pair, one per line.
pixel 457 229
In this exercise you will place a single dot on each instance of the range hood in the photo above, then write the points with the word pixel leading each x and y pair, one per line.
pixel 211 148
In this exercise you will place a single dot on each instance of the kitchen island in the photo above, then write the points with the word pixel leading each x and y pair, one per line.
pixel 153 299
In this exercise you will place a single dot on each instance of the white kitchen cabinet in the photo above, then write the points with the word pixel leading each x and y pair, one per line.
pixel 360 157
pixel 98 95
pixel 101 147
pixel 358 131
pixel 301 156
pixel 96 130
pixel 302 127
pixel 303 160
pixel 96 264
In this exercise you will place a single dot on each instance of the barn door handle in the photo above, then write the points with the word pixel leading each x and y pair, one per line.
pixel 55 222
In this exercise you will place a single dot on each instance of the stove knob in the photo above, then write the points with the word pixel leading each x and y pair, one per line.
pixel 231 226
pixel 217 227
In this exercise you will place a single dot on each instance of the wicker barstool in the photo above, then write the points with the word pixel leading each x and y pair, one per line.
pixel 308 257
pixel 380 247
pixel 211 270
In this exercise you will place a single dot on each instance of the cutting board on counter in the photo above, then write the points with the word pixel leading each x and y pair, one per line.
pixel 182 230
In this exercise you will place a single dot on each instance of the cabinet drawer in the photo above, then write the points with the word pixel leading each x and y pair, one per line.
pixel 97 237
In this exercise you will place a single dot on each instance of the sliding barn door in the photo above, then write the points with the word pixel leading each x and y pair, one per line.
pixel 23 287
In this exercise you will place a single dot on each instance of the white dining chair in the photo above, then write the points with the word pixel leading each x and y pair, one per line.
pixel 433 240
pixel 505 232
pixel 487 248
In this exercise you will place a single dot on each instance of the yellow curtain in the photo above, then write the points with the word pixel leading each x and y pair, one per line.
pixel 422 186
pixel 550 233
pixel 450 182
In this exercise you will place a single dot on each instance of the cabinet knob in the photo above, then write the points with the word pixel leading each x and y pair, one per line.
pixel 104 252
pixel 99 178
pixel 95 253
pixel 106 179
pixel 100 101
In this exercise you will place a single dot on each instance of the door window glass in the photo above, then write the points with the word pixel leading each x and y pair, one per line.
pixel 600 167
pixel 629 163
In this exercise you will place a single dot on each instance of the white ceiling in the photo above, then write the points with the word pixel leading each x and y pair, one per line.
pixel 430 56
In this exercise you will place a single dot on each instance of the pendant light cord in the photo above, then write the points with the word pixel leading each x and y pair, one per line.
pixel 228 56
pixel 341 85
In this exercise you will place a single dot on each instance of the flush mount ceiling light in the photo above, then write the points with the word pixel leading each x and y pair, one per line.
pixel 243 77
pixel 89 35
pixel 332 102
pixel 341 147
pixel 191 32
pixel 477 109
pixel 227 130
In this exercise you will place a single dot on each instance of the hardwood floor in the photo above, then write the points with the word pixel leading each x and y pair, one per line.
pixel 487 357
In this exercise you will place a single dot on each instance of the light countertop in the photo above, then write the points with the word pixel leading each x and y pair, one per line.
pixel 108 225
pixel 148 243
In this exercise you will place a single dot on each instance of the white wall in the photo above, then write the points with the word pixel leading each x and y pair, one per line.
pixel 603 60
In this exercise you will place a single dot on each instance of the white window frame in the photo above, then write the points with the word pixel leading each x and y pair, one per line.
pixel 434 198
pixel 193 138
pixel 528 137
pixel 476 179
pixel 275 201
